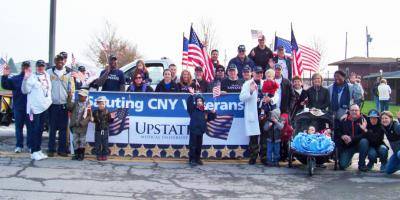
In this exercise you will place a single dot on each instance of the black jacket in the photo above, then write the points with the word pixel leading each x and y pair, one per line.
pixel 261 57
pixel 102 119
pixel 287 95
pixel 352 129
pixel 201 86
pixel 318 98
pixel 288 65
pixel 198 118
pixel 375 134
pixel 161 87
pixel 296 107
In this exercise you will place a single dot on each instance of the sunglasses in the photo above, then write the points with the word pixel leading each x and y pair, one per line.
pixel 259 72
pixel 220 71
pixel 138 77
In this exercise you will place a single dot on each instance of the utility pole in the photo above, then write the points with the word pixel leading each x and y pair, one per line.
pixel 369 40
pixel 52 31
pixel 345 49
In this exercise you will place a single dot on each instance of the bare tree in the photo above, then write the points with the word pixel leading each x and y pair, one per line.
pixel 207 33
pixel 107 42
pixel 318 45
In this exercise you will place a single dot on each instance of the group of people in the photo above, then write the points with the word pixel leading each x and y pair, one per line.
pixel 272 99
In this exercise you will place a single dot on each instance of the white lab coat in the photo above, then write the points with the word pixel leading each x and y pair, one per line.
pixel 251 122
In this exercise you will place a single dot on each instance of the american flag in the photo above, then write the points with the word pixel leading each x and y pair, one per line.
pixel 185 52
pixel 220 127
pixel 304 58
pixel 3 64
pixel 73 62
pixel 198 56
pixel 121 121
pixel 216 91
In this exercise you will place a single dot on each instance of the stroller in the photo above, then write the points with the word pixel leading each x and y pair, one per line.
pixel 320 121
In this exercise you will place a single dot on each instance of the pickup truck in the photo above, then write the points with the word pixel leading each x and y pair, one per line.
pixel 155 68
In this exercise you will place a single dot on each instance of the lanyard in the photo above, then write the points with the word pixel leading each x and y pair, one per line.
pixel 45 90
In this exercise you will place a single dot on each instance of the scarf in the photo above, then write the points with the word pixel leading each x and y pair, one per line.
pixel 344 100
pixel 201 107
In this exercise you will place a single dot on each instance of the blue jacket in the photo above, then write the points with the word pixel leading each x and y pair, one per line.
pixel 14 83
pixel 198 118
pixel 240 65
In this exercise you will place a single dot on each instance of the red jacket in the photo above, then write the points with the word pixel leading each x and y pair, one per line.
pixel 270 87
pixel 287 130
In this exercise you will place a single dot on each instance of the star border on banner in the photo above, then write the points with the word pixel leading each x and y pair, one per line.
pixel 184 152
pixel 211 152
pixel 156 151
pixel 88 149
pixel 114 150
pixel 128 150
pixel 240 151
pixel 225 152
pixel 169 151
pixel 142 151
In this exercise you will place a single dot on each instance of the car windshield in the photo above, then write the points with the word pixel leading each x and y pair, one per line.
pixel 155 72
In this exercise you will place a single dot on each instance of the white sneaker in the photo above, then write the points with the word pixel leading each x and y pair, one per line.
pixel 44 156
pixel 18 150
pixel 36 156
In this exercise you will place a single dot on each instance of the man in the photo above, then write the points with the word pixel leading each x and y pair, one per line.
pixel 172 69
pixel 352 131
pixel 257 143
pixel 375 93
pixel 285 63
pixel 246 74
pixel 261 54
pixel 112 79
pixel 241 60
pixel 19 103
pixel 285 91
pixel 232 83
pixel 340 93
pixel 199 84
pixel 357 95
pixel 37 87
pixel 214 57
pixel 219 76
pixel 83 79
pixel 63 85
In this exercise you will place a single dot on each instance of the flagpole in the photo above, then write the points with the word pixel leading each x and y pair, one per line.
pixel 366 30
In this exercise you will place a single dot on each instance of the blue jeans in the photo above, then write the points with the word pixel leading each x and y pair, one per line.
pixel 384 105
pixel 346 154
pixel 273 151
pixel 377 104
pixel 374 153
pixel 21 119
pixel 393 164
pixel 58 118
pixel 35 138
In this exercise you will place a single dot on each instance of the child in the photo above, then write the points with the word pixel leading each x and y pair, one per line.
pixel 80 116
pixel 273 128
pixel 311 130
pixel 102 118
pixel 197 126
pixel 142 69
pixel 286 135
pixel 270 86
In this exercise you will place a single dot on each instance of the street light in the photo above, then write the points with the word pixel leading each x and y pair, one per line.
pixel 52 31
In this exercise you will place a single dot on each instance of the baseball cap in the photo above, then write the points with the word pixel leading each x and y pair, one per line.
pixel 241 48
pixel 40 63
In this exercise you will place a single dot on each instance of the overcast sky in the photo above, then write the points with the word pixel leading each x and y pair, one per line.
pixel 157 26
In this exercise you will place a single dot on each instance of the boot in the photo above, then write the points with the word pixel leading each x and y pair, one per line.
pixel 82 154
pixel 76 155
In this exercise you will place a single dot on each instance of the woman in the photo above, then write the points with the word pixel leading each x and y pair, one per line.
pixel 392 132
pixel 339 93
pixel 318 96
pixel 375 136
pixel 300 97
pixel 185 81
pixel 141 68
pixel 167 85
pixel 138 84
pixel 384 92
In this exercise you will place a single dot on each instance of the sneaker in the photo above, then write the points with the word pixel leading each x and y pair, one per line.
pixel 36 156
pixel 383 168
pixel 199 162
pixel 44 156
pixel 18 150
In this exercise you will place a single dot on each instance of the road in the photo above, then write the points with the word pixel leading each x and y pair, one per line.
pixel 61 178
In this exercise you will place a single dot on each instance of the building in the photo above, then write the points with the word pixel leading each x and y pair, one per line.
pixel 370 68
